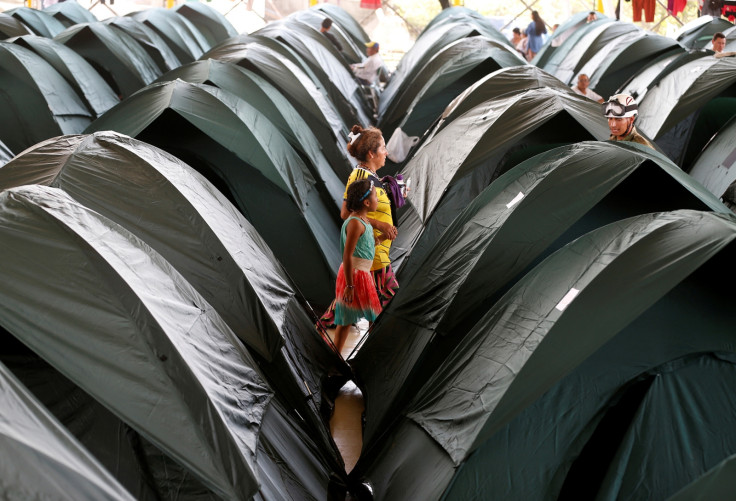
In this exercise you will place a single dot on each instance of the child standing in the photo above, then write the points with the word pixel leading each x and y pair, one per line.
pixel 355 291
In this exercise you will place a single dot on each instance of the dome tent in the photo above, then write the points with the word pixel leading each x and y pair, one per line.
pixel 718 482
pixel 116 56
pixel 36 102
pixel 39 22
pixel 195 392
pixel 352 52
pixel 182 36
pixel 70 13
pixel 96 94
pixel 698 33
pixel 447 74
pixel 463 156
pixel 557 38
pixel 512 225
pixel 712 167
pixel 148 39
pixel 326 164
pixel 244 155
pixel 40 459
pixel 11 27
pixel 480 426
pixel 347 22
pixel 213 25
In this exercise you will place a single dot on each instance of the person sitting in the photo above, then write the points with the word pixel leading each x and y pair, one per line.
pixel 583 89
pixel 621 111
pixel 325 30
pixel 367 72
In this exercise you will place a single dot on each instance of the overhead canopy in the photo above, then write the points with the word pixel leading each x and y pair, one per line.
pixel 12 27
pixel 70 12
pixel 39 22
pixel 154 45
pixel 522 369
pixel 116 56
pixel 325 161
pixel 513 224
pixel 181 34
pixel 463 156
pixel 36 102
pixel 242 153
pixel 40 459
pixel 688 105
pixel 114 317
pixel 453 69
pixel 213 25
pixel 96 94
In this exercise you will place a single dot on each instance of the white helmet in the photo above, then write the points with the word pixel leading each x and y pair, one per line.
pixel 620 106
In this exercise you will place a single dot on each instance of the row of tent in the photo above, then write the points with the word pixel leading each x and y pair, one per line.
pixel 563 301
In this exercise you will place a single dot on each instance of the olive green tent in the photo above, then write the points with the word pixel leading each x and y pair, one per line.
pixel 213 25
pixel 181 34
pixel 149 40
pixel 39 22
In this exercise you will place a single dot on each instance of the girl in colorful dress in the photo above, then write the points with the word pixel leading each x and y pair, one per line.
pixel 355 291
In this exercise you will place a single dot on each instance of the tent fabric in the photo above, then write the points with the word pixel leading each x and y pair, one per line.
pixel 181 34
pixel 347 22
pixel 481 144
pixel 39 22
pixel 243 153
pixel 352 52
pixel 201 235
pixel 562 33
pixel 97 95
pixel 323 59
pixel 155 368
pixel 292 81
pixel 5 154
pixel 550 60
pixel 327 164
pixel 697 33
pixel 121 61
pixel 12 27
pixel 213 25
pixel 712 168
pixel 447 74
pixel 717 483
pixel 511 225
pixel 37 103
pixel 551 324
pixel 40 459
pixel 154 45
pixel 638 84
pixel 70 13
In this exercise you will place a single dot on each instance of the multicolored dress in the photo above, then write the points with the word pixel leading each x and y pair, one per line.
pixel 365 299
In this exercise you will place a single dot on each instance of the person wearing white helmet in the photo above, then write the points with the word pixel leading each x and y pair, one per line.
pixel 621 111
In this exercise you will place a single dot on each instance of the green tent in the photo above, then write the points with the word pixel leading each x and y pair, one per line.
pixel 712 168
pixel 463 156
pixel 352 52
pixel 116 56
pixel 149 40
pixel 181 34
pixel 566 39
pixel 12 27
pixel 36 102
pixel 70 12
pixel 450 72
pixel 40 459
pixel 347 22
pixel 585 380
pixel 213 25
pixel 96 94
pixel 327 163
pixel 242 153
pixel 698 33
pixel 717 483
pixel 39 22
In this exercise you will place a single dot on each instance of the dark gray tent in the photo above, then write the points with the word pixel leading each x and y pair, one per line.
pixel 40 459
pixel 648 76
pixel 313 105
pixel 512 225
pixel 717 483
pixel 327 164
pixel 465 155
pixel 325 62
pixel 348 23
pixel 213 26
pixel 149 40
pixel 450 72
pixel 115 318
pixel 699 32
pixel 352 51
pixel 713 167
pixel 36 102
pixel 594 40
pixel 242 153
pixel 554 52
pixel 116 56
pixel 584 380
pixel 426 46
pixel 614 64
pixel 97 95
pixel 11 27
pixel 39 22
pixel 70 12
pixel 688 106
pixel 182 36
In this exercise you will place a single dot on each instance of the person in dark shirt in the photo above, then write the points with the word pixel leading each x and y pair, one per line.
pixel 325 29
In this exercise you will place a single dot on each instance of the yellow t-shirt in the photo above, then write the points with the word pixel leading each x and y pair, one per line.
pixel 382 213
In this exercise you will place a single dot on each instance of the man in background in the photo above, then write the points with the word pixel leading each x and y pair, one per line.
pixel 367 71
pixel 325 30
pixel 582 88
pixel 719 42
